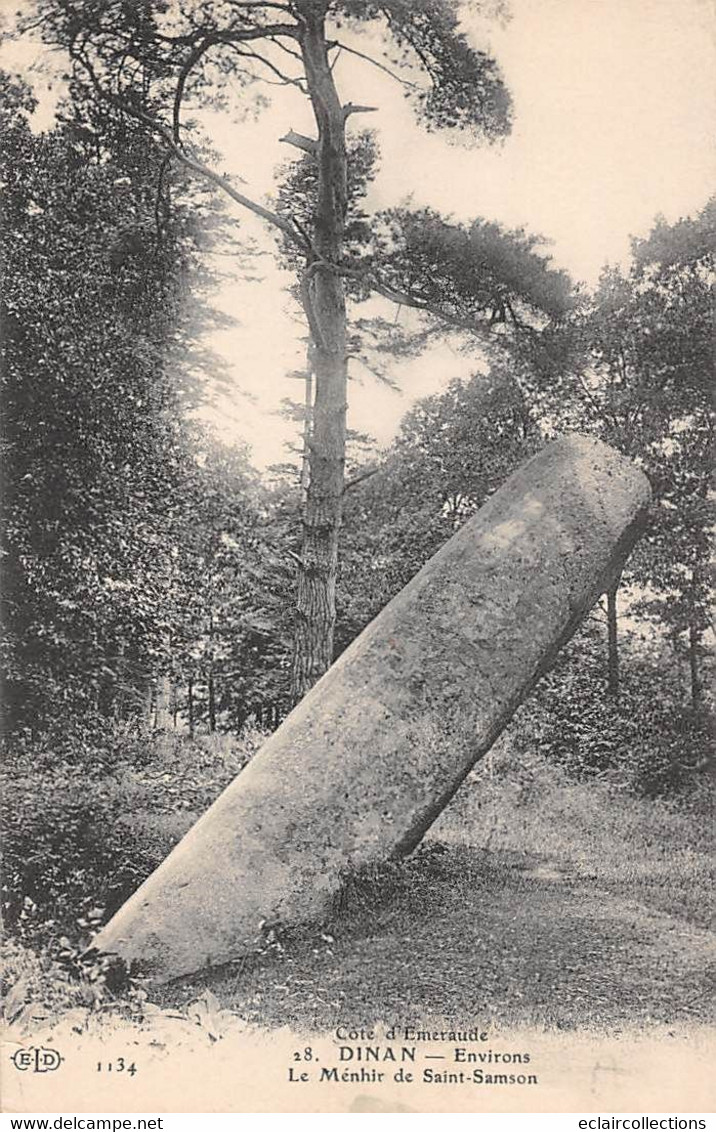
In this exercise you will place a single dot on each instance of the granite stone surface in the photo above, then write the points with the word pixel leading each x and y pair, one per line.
pixel 361 768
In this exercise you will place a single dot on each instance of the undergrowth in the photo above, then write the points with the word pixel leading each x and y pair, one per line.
pixel 656 851
pixel 533 898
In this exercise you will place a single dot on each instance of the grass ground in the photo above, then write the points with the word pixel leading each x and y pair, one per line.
pixel 534 901
pixel 558 916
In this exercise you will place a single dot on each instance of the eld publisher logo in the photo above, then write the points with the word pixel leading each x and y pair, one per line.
pixel 36 1058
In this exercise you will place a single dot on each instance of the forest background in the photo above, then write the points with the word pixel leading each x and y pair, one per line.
pixel 151 627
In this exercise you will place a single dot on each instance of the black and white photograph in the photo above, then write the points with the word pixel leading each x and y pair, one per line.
pixel 357 556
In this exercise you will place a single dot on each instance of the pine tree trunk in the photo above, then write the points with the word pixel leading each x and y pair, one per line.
pixel 324 301
pixel 119 697
pixel 161 718
pixel 147 706
pixel 190 706
pixel 212 702
pixel 307 421
pixel 211 686
pixel 613 656
pixel 697 690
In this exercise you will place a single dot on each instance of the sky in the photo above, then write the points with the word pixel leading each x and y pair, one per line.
pixel 614 112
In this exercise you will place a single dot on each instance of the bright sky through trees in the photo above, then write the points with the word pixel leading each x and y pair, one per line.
pixel 614 108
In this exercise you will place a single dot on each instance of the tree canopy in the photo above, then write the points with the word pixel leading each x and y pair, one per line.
pixel 151 63
pixel 149 571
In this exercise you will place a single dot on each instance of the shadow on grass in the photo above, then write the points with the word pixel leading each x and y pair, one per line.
pixel 466 935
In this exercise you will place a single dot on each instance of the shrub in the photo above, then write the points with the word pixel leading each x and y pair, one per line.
pixel 36 984
pixel 81 835
pixel 647 740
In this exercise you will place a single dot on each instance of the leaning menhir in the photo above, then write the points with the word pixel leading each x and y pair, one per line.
pixel 369 758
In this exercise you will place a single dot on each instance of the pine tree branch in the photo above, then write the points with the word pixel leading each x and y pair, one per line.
pixel 351 108
pixel 359 479
pixel 300 141
pixel 253 206
pixel 236 35
pixel 374 62
pixel 285 8
pixel 194 56
pixel 287 50
pixel 285 80
pixel 304 234
pixel 191 162
pixel 405 298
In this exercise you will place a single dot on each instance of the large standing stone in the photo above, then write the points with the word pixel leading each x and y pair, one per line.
pixel 366 762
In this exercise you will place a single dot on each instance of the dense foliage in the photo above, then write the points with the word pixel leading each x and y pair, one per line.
pixel 640 374
pixel 94 400
pixel 149 572
pixel 131 540
pixel 85 822
pixel 153 65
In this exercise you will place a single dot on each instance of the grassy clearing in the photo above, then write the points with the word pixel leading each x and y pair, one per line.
pixel 657 853
pixel 535 901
